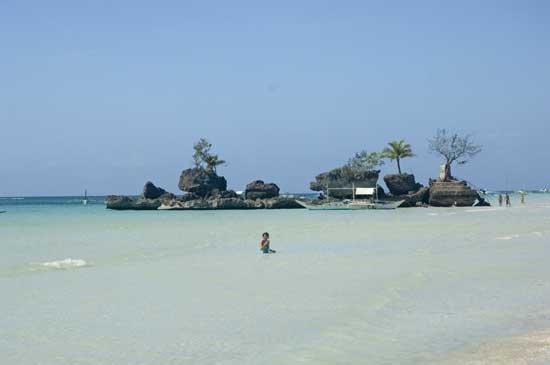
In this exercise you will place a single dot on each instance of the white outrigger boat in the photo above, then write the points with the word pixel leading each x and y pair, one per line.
pixel 354 204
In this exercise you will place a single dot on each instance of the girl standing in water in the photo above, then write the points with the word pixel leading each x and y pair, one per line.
pixel 264 245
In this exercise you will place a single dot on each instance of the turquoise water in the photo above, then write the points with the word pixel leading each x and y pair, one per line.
pixel 86 285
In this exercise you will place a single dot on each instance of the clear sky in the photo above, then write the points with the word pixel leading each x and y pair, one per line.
pixel 105 95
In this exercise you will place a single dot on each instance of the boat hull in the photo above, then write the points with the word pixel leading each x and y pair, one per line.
pixel 381 205
pixel 326 206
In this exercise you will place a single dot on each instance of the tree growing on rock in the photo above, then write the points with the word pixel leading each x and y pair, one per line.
pixel 398 150
pixel 202 157
pixel 364 161
pixel 453 147
pixel 360 170
pixel 212 162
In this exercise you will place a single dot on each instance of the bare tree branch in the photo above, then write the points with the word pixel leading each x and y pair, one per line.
pixel 454 147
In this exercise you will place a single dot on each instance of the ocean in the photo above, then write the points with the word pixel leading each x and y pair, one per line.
pixel 85 285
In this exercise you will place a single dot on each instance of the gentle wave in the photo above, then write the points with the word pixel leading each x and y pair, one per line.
pixel 513 236
pixel 506 238
pixel 478 210
pixel 65 264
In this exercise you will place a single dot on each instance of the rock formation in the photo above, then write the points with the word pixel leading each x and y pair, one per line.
pixel 201 182
pixel 204 191
pixel 120 202
pixel 344 177
pixel 452 193
pixel 401 184
pixel 130 203
pixel 150 191
pixel 259 190
pixel 404 187
pixel 414 199
pixel 239 203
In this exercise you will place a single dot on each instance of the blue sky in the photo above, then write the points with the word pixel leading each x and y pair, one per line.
pixel 105 95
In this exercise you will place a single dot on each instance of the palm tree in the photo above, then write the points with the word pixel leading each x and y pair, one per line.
pixel 397 151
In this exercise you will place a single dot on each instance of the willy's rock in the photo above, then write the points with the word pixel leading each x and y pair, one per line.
pixel 452 193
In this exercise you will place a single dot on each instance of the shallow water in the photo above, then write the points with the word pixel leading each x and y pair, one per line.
pixel 85 285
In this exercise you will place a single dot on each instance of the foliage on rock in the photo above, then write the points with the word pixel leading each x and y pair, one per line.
pixel 203 158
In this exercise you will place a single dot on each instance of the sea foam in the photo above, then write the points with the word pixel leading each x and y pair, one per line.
pixel 65 264
pixel 507 238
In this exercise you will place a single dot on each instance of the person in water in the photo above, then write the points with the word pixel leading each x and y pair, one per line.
pixel 508 204
pixel 500 200
pixel 264 245
pixel 522 194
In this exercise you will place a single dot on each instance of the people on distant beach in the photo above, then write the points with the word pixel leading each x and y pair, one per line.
pixel 508 204
pixel 500 200
pixel 264 245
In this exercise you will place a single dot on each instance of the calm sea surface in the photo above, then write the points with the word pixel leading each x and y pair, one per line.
pixel 85 285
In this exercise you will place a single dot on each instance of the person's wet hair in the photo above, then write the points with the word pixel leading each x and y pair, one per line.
pixel 265 234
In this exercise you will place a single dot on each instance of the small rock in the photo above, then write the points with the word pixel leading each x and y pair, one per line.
pixel 259 190
pixel 150 191
pixel 401 184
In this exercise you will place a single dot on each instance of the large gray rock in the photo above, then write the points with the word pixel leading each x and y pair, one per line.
pixel 201 182
pixel 344 177
pixel 401 184
pixel 150 191
pixel 120 202
pixel 418 198
pixel 259 190
pixel 450 193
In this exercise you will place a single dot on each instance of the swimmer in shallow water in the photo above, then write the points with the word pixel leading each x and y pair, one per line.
pixel 264 245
